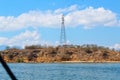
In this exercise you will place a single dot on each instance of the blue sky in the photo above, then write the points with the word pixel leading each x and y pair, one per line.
pixel 27 22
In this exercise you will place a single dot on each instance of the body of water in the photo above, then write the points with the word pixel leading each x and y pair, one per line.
pixel 63 71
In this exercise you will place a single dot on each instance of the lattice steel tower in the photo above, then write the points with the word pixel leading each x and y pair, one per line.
pixel 63 34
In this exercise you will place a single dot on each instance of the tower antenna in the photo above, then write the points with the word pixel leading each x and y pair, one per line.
pixel 63 34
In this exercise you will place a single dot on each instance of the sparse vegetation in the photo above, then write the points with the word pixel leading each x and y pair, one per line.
pixel 38 53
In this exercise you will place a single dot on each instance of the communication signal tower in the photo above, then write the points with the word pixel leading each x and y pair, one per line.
pixel 63 34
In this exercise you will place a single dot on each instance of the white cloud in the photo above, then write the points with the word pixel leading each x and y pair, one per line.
pixel 23 39
pixel 89 17
pixel 3 40
pixel 66 10
pixel 116 46
pixel 30 19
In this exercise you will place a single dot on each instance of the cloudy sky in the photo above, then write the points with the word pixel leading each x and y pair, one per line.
pixel 27 22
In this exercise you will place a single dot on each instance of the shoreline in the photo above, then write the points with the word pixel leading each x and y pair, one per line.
pixel 90 61
pixel 71 62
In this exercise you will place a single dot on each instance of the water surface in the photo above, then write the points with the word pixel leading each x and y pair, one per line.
pixel 63 71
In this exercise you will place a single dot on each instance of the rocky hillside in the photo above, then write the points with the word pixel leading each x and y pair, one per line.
pixel 87 53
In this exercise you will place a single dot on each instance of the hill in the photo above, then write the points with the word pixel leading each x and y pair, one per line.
pixel 73 53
